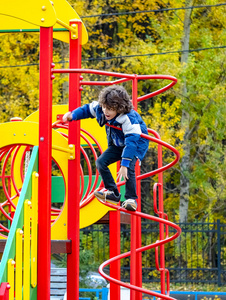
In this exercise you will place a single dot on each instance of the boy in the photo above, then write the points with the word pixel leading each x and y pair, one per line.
pixel 115 108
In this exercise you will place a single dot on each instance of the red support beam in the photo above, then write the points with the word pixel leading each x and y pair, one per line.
pixel 45 148
pixel 138 279
pixel 115 249
pixel 74 166
pixel 138 237
pixel 4 291
pixel 135 265
pixel 133 257
pixel 161 225
pixel 114 230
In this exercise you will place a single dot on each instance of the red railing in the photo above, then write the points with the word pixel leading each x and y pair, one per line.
pixel 163 218
pixel 164 223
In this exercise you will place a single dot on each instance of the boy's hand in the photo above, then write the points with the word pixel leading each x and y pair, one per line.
pixel 67 117
pixel 122 173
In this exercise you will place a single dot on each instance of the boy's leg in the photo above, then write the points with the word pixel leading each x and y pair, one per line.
pixel 109 156
pixel 131 194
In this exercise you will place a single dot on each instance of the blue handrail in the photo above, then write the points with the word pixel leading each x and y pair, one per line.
pixel 103 291
pixel 196 294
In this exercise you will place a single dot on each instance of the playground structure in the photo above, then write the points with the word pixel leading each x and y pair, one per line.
pixel 29 197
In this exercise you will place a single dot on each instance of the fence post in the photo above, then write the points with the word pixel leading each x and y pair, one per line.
pixel 219 251
pixel 104 293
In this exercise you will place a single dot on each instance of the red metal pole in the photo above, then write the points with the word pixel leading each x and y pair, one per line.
pixel 74 166
pixel 114 228
pixel 115 249
pixel 133 257
pixel 45 148
pixel 138 237
pixel 161 225
pixel 4 291
pixel 138 220
pixel 135 267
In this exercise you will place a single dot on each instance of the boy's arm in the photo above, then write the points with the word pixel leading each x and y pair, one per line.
pixel 83 112
pixel 132 132
pixel 130 149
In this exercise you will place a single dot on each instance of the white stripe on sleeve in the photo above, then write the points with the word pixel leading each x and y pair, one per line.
pixel 91 108
pixel 127 126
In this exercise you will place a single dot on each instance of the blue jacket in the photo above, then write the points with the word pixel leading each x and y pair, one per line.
pixel 129 138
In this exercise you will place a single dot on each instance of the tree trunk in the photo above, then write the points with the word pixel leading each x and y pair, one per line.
pixel 185 122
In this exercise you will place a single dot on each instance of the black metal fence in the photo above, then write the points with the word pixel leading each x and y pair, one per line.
pixel 197 256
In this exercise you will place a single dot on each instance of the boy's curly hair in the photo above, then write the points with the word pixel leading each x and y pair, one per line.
pixel 117 98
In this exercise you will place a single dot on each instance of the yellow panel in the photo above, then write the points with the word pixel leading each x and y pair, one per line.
pixel 10 277
pixel 94 211
pixel 34 229
pixel 27 250
pixel 20 132
pixel 38 12
pixel 64 12
pixel 19 258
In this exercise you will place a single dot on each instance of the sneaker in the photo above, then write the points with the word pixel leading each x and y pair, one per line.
pixel 108 196
pixel 130 204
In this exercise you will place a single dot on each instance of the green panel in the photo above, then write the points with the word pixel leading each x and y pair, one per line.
pixel 33 293
pixel 86 182
pixel 18 219
pixel 122 191
pixel 58 189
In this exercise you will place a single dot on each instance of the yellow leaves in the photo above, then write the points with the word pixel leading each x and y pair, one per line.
pixel 164 117
pixel 20 85
pixel 5 81
pixel 126 33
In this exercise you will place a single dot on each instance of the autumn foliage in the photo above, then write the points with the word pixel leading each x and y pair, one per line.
pixel 124 39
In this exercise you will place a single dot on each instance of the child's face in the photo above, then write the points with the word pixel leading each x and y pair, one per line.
pixel 109 112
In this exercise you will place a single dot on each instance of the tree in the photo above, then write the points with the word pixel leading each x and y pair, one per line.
pixel 191 116
pixel 202 105
pixel 185 122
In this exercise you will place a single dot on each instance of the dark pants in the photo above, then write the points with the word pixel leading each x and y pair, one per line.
pixel 111 155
